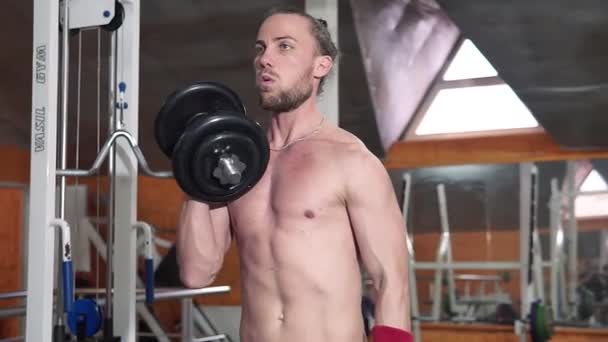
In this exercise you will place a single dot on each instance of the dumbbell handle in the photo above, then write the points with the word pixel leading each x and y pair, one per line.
pixel 229 169
pixel 230 172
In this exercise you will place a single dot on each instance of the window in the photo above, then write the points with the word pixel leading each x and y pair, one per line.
pixel 472 109
pixel 470 97
pixel 469 63
pixel 590 203
pixel 594 182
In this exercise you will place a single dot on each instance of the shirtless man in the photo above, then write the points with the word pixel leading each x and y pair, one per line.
pixel 324 206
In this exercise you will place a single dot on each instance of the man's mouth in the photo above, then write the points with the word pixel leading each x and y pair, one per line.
pixel 265 81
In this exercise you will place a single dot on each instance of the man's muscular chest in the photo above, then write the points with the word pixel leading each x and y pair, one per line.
pixel 299 185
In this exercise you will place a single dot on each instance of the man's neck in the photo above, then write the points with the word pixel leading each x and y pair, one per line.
pixel 296 124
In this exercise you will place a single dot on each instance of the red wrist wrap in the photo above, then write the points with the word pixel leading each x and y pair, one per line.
pixel 383 333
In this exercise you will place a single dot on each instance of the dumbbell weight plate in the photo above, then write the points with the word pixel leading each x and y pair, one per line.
pixel 195 157
pixel 243 149
pixel 201 98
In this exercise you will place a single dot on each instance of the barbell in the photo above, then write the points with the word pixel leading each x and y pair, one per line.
pixel 217 152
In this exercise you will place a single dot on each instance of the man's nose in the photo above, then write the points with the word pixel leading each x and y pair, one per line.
pixel 265 59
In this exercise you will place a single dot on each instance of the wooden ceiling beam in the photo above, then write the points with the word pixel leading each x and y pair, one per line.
pixel 492 149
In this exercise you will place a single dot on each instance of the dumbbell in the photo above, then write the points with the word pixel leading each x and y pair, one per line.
pixel 217 152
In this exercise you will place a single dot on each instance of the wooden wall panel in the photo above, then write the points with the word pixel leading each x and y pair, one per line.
pixel 467 333
pixel 468 246
pixel 16 165
pixel 12 202
pixel 579 335
pixel 440 332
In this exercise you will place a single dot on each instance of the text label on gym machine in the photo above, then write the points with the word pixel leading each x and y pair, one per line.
pixel 39 123
pixel 41 64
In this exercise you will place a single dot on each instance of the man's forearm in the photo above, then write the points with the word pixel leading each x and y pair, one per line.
pixel 199 255
pixel 392 314
pixel 392 306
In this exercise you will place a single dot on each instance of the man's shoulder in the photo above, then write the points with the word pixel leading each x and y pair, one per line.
pixel 344 141
pixel 351 151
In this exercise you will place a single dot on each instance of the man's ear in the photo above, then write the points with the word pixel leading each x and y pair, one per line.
pixel 323 65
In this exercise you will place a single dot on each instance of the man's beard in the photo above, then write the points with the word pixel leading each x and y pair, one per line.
pixel 288 100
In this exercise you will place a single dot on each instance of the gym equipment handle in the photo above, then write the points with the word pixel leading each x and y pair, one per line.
pixel 67 269
pixel 68 288
pixel 104 152
pixel 149 263
pixel 149 280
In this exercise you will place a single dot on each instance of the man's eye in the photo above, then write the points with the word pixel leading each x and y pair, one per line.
pixel 284 46
pixel 259 49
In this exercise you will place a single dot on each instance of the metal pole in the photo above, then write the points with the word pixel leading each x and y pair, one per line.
pixel 59 332
pixel 187 321
pixel 525 189
pixel 413 290
pixel 537 254
pixel 202 322
pixel 555 246
pixel 43 162
pixel 472 265
pixel 407 190
pixel 220 337
pixel 572 233
pixel 108 324
pixel 12 312
pixel 125 171
pixel 65 64
pixel 162 293
pixel 603 249
pixel 445 230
